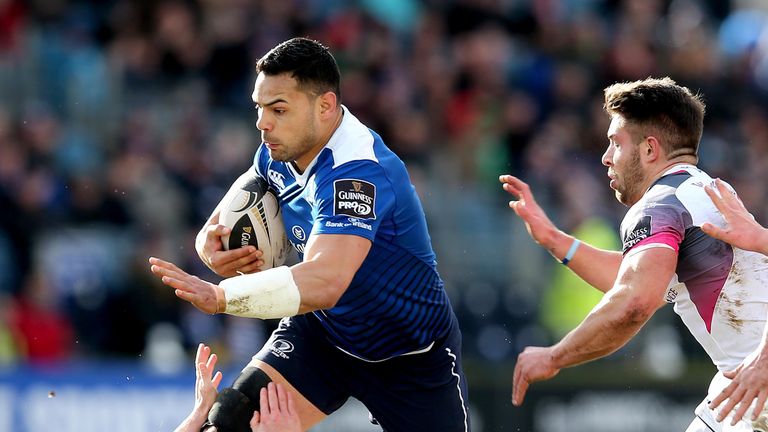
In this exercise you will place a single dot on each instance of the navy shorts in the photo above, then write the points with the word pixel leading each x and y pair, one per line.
pixel 423 392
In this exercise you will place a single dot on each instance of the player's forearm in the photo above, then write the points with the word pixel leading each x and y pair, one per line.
pixel 193 422
pixel 763 241
pixel 321 285
pixel 610 325
pixel 598 267
pixel 267 294
pixel 280 292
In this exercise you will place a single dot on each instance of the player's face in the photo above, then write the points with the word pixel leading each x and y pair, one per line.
pixel 622 158
pixel 287 119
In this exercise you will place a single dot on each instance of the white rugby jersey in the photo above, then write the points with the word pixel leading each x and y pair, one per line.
pixel 719 291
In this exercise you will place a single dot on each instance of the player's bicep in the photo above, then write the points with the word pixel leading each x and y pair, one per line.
pixel 338 253
pixel 644 277
pixel 330 262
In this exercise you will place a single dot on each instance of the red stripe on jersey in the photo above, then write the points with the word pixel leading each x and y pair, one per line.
pixel 670 239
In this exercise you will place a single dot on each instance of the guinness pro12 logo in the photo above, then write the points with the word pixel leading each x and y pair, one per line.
pixel 355 198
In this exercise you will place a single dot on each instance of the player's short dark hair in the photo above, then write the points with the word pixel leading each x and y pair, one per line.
pixel 662 108
pixel 308 61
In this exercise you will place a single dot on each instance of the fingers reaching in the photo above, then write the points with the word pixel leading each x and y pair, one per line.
pixel 276 411
pixel 519 387
pixel 202 353
pixel 166 269
pixel 747 386
pixel 759 404
pixel 282 399
pixel 264 402
pixel 745 398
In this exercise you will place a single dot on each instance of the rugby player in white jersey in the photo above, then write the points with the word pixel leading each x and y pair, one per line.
pixel 719 291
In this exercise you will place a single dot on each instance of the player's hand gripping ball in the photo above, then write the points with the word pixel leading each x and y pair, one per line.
pixel 253 214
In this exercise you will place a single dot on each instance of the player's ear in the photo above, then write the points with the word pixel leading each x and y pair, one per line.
pixel 651 149
pixel 328 104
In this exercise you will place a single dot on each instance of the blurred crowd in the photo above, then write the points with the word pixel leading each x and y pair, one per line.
pixel 123 122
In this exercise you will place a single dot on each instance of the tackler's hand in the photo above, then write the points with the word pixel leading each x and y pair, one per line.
pixel 742 230
pixel 749 384
pixel 277 412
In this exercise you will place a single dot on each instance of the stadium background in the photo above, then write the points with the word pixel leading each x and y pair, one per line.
pixel 122 123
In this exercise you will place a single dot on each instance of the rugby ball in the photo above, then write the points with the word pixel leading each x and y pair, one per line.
pixel 253 214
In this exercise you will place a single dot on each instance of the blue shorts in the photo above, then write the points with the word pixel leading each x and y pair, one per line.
pixel 423 392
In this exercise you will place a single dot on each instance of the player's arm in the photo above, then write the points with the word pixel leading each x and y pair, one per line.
pixel 638 292
pixel 318 282
pixel 210 248
pixel 598 267
pixel 330 263
pixel 206 385
pixel 742 230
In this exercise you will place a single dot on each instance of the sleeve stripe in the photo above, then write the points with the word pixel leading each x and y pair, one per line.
pixel 663 239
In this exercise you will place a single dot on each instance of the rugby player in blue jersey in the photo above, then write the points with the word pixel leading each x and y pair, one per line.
pixel 365 311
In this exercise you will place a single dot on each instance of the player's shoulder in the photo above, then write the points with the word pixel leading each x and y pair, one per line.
pixel 681 190
pixel 352 141
pixel 676 185
pixel 354 151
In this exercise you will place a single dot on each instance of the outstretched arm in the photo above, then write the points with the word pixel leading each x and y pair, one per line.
pixel 206 384
pixel 330 263
pixel 598 267
pixel 742 230
pixel 638 293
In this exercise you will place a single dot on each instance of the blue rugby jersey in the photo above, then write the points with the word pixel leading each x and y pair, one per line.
pixel 396 302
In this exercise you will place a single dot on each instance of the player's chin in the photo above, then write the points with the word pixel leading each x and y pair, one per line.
pixel 623 198
pixel 279 156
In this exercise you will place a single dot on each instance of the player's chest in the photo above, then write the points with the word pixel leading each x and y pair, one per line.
pixel 298 214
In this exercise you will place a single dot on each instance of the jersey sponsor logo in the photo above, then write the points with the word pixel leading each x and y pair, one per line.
pixel 360 224
pixel 671 295
pixel 640 232
pixel 299 233
pixel 330 224
pixel 281 348
pixel 299 247
pixel 277 178
pixel 354 198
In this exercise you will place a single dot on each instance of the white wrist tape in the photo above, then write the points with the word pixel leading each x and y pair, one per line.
pixel 267 294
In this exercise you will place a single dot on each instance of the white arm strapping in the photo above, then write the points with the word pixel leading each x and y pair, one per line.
pixel 267 294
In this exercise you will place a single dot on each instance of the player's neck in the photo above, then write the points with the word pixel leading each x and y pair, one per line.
pixel 306 159
pixel 664 166
pixel 661 168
